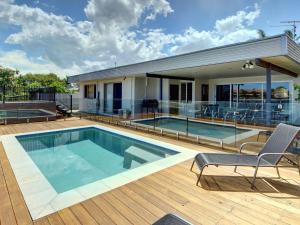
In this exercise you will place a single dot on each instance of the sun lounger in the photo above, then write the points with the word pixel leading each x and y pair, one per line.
pixel 269 156
pixel 171 219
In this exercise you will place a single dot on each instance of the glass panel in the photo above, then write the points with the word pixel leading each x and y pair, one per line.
pixel 280 96
pixel 189 92
pixel 223 93
pixel 183 91
pixel 250 93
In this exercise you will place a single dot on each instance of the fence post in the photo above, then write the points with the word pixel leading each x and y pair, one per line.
pixel 54 91
pixel 187 126
pixel 71 102
pixel 3 97
pixel 154 121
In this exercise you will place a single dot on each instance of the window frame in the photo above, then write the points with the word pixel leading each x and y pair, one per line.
pixel 90 94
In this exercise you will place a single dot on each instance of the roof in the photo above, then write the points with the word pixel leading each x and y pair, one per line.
pixel 280 45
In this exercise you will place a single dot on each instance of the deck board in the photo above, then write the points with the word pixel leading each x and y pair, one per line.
pixel 224 197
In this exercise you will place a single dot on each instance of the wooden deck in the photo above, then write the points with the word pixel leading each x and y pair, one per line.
pixel 224 198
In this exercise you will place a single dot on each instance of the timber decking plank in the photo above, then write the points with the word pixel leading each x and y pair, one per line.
pixel 110 211
pixel 42 221
pixel 141 201
pixel 133 205
pixel 18 204
pixel 54 219
pixel 82 215
pixel 97 213
pixel 166 206
pixel 128 213
pixel 224 198
pixel 7 215
pixel 68 217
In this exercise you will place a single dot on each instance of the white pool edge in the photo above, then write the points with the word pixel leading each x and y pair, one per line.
pixel 42 199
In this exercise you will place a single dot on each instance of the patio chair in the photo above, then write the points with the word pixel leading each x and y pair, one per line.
pixel 171 219
pixel 271 153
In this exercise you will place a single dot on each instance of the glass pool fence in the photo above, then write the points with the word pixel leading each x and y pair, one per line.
pixel 220 123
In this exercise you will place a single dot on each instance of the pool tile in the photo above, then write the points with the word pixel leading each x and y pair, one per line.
pixel 66 199
pixel 93 189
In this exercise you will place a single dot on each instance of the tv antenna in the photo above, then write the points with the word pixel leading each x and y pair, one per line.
pixel 290 23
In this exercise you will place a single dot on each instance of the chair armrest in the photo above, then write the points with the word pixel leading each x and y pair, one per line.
pixel 250 143
pixel 267 154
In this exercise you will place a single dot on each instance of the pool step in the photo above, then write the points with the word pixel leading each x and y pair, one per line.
pixel 139 155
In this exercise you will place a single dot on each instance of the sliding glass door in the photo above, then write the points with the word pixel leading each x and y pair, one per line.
pixel 252 93
pixel 186 92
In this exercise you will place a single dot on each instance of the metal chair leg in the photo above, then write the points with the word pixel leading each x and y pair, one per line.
pixel 298 159
pixel 199 177
pixel 235 169
pixel 277 169
pixel 191 169
pixel 254 177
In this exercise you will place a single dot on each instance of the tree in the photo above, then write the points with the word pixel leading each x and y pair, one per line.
pixel 261 34
pixel 6 76
pixel 46 80
pixel 297 88
pixel 289 33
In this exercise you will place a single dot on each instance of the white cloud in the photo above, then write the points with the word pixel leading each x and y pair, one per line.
pixel 226 31
pixel 110 34
pixel 18 59
pixel 113 15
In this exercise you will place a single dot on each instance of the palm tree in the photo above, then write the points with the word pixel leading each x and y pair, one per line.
pixel 261 34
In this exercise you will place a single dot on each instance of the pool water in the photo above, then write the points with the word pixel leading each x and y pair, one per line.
pixel 72 158
pixel 194 127
pixel 24 113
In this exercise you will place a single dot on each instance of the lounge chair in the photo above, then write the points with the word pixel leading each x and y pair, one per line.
pixel 171 219
pixel 271 153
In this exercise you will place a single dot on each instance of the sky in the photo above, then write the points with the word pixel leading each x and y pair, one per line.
pixel 70 37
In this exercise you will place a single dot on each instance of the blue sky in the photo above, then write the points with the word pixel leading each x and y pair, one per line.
pixel 75 36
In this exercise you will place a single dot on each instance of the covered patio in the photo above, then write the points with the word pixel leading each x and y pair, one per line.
pixel 219 87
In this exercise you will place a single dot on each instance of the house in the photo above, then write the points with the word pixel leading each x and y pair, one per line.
pixel 256 71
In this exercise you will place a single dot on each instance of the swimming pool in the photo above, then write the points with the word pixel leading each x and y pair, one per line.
pixel 22 115
pixel 27 113
pixel 82 156
pixel 205 130
pixel 56 169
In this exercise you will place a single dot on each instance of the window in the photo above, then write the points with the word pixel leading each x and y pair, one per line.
pixel 253 92
pixel 280 92
pixel 186 91
pixel 223 93
pixel 183 92
pixel 90 91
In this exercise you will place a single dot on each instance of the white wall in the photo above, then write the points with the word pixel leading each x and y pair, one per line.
pixel 153 88
pixel 127 94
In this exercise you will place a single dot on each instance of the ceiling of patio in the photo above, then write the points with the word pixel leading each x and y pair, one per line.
pixel 233 69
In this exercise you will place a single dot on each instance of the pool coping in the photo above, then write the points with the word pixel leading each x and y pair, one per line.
pixel 227 140
pixel 42 199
